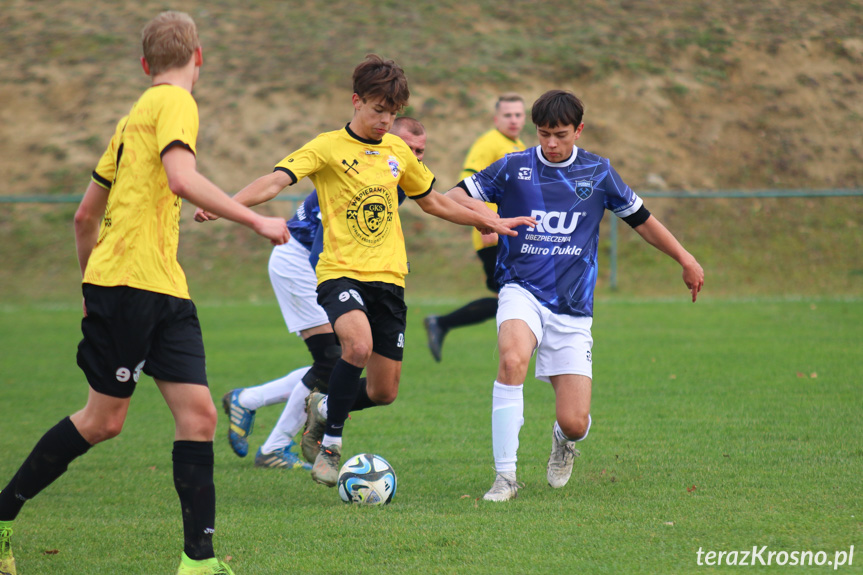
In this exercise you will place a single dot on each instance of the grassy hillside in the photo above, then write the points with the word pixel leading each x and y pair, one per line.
pixel 680 95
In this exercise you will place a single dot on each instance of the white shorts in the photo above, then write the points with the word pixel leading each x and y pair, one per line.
pixel 295 282
pixel 563 342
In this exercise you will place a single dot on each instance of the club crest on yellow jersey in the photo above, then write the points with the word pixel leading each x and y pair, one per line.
pixel 370 215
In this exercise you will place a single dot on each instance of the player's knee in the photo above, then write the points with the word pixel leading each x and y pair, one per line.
pixel 207 420
pixel 512 368
pixel 575 427
pixel 357 352
pixel 383 397
pixel 107 429
pixel 198 423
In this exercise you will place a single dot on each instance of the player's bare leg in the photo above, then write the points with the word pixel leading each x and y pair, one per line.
pixel 572 406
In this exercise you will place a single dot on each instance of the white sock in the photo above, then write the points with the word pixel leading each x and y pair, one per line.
pixel 322 407
pixel 507 417
pixel 558 432
pixel 290 422
pixel 272 392
pixel 330 440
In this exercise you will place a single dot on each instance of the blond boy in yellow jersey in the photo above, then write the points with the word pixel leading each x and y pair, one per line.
pixel 509 119
pixel 137 313
pixel 357 171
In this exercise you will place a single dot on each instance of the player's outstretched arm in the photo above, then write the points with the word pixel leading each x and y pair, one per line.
pixel 446 208
pixel 659 237
pixel 261 190
pixel 461 197
pixel 185 181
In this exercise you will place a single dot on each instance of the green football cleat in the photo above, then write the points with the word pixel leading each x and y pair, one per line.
pixel 7 561
pixel 242 422
pixel 315 426
pixel 326 468
pixel 210 566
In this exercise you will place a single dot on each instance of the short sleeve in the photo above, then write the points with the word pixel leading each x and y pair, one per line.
pixel 106 169
pixel 619 197
pixel 177 123
pixel 416 180
pixel 307 160
pixel 488 184
pixel 476 160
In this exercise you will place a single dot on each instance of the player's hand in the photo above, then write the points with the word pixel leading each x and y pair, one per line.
pixel 693 277
pixel 273 228
pixel 489 239
pixel 204 216
pixel 504 226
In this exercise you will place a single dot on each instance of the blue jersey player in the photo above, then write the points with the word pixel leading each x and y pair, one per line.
pixel 548 274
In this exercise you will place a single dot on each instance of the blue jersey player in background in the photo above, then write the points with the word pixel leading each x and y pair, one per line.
pixel 548 276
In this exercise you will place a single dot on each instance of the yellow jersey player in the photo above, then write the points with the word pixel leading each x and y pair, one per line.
pixel 503 139
pixel 295 285
pixel 138 317
pixel 357 171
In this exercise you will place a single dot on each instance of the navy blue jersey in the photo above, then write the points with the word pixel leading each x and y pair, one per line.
pixel 305 223
pixel 556 260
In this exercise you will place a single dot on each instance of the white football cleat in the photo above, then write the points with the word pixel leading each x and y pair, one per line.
pixel 504 488
pixel 560 461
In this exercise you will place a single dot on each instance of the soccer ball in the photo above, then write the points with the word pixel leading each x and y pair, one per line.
pixel 367 479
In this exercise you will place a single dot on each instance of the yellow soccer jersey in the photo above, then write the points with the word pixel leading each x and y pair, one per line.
pixel 140 232
pixel 357 182
pixel 488 148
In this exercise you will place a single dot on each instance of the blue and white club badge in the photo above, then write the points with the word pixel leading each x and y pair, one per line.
pixel 394 166
pixel 584 189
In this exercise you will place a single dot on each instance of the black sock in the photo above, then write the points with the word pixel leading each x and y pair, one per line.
pixel 363 400
pixel 344 387
pixel 193 480
pixel 325 350
pixel 475 312
pixel 49 460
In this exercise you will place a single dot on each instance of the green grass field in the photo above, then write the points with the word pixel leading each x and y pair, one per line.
pixel 721 425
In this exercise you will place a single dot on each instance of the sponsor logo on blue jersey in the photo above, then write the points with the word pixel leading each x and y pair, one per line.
pixel 555 222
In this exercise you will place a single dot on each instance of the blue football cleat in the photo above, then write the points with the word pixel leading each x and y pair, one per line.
pixel 242 421
pixel 282 458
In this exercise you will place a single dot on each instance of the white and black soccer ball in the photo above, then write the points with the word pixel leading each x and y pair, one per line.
pixel 367 479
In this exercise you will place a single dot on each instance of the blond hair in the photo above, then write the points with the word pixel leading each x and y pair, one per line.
pixel 169 40
pixel 508 97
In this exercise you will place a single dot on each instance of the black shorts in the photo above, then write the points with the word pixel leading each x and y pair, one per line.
pixel 383 303
pixel 488 256
pixel 127 331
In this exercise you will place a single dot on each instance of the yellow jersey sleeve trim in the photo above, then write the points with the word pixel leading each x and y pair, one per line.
pixel 287 171
pixel 176 143
pixel 100 181
pixel 424 194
